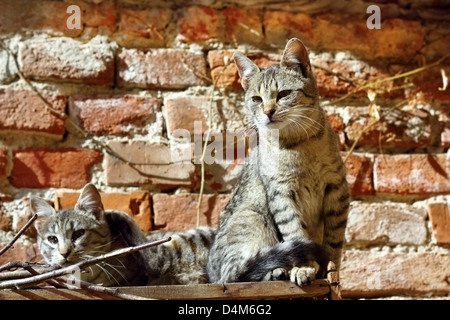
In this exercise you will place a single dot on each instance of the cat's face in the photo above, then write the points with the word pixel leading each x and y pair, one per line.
pixel 72 235
pixel 284 96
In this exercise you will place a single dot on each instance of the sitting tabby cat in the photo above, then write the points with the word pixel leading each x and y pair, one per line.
pixel 68 236
pixel 287 213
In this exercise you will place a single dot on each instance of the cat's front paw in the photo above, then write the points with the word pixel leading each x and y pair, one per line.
pixel 304 275
pixel 276 274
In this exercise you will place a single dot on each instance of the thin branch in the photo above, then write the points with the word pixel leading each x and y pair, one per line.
pixel 19 233
pixel 61 282
pixel 80 265
pixel 370 125
pixel 208 135
pixel 391 78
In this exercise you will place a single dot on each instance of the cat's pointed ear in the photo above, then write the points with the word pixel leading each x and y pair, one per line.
pixel 42 209
pixel 90 201
pixel 246 68
pixel 295 56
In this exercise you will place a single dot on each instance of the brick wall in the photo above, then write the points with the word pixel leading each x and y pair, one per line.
pixel 107 102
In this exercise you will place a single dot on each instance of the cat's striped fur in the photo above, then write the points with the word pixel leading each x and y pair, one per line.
pixel 68 236
pixel 287 213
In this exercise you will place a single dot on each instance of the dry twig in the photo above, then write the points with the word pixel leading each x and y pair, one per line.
pixel 19 283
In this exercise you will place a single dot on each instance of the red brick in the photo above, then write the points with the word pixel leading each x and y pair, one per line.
pixel 3 162
pixel 440 222
pixel 242 26
pixel 179 211
pixel 103 14
pixel 228 76
pixel 143 28
pixel 182 112
pixel 342 32
pixel 368 274
pixel 336 77
pixel 17 16
pixel 444 124
pixel 134 203
pixel 59 168
pixel 397 38
pixel 429 83
pixel 359 174
pixel 5 220
pixel 406 128
pixel 20 252
pixel 25 111
pixel 412 174
pixel 385 223
pixel 198 23
pixel 113 114
pixel 146 163
pixel 65 59
pixel 21 220
pixel 280 26
pixel 161 68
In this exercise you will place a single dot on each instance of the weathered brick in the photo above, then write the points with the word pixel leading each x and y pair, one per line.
pixel 115 114
pixel 143 28
pixel 224 72
pixel 146 163
pixel 413 174
pixel 100 14
pixel 367 274
pixel 344 75
pixel 440 222
pixel 198 23
pixel 23 110
pixel 385 223
pixel 161 68
pixel 242 25
pixel 134 203
pixel 407 128
pixel 21 252
pixel 179 211
pixel 429 83
pixel 359 174
pixel 59 168
pixel 3 161
pixel 21 220
pixel 8 69
pixel 282 25
pixel 65 59
pixel 183 111
pixel 341 32
pixel 52 16
pixel 5 220
pixel 397 38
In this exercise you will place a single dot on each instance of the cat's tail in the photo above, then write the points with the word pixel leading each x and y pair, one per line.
pixel 284 255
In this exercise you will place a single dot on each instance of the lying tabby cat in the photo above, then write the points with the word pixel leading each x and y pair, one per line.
pixel 72 235
pixel 287 213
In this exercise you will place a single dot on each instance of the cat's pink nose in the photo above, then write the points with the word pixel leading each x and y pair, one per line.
pixel 269 113
pixel 65 253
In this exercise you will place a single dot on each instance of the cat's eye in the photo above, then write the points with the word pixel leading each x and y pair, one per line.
pixel 283 93
pixel 52 239
pixel 77 234
pixel 256 99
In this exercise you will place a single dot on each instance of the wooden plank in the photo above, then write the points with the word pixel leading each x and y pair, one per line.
pixel 242 290
pixel 320 289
